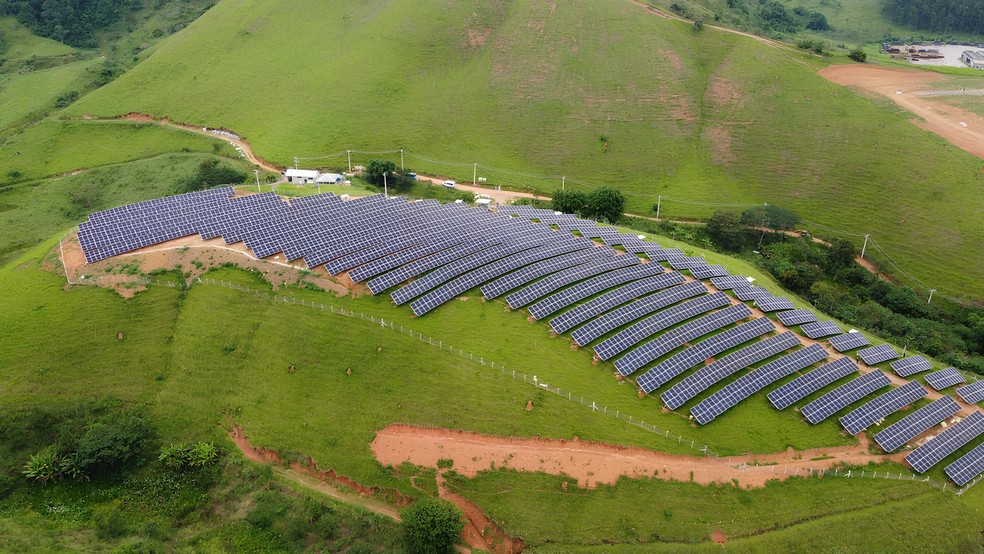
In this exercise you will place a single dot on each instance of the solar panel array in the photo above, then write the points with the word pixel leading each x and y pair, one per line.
pixel 708 271
pixel 820 329
pixel 773 304
pixel 945 378
pixel 967 467
pixel 611 299
pixel 972 393
pixel 729 282
pixel 749 292
pixel 848 341
pixel 892 401
pixel 844 395
pixel 705 377
pixel 754 381
pixel 805 385
pixel 675 338
pixel 796 317
pixel 592 286
pixel 910 366
pixel 916 423
pixel 669 368
pixel 554 282
pixel 878 354
pixel 947 442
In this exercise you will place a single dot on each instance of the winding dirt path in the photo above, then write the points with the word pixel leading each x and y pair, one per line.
pixel 591 463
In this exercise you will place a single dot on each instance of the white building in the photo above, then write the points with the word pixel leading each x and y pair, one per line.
pixel 973 58
pixel 301 176
pixel 330 179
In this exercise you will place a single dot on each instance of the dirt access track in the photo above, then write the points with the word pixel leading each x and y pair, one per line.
pixel 899 85
pixel 591 463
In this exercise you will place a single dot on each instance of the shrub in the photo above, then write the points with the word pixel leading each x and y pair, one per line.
pixel 431 526
pixel 858 55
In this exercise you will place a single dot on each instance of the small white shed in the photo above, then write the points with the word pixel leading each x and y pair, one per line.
pixel 300 176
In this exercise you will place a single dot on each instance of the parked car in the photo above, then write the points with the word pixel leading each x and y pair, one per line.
pixel 449 184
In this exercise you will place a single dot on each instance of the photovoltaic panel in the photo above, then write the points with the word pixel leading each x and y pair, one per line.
pixel 796 317
pixel 730 282
pixel 685 262
pixel 614 319
pixel 947 442
pixel 611 299
pixel 669 368
pixel 532 272
pixel 972 393
pixel 592 286
pixel 658 254
pixel 805 385
pixel 705 377
pixel 967 467
pixel 708 271
pixel 843 396
pixel 749 293
pixel 878 354
pixel 547 285
pixel 945 378
pixel 910 366
pixel 820 329
pixel 754 381
pixel 657 322
pixel 773 304
pixel 892 401
pixel 848 341
pixel 916 423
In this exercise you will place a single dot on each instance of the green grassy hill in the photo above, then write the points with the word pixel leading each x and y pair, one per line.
pixel 600 91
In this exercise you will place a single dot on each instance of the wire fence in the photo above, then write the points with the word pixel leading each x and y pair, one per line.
pixel 766 471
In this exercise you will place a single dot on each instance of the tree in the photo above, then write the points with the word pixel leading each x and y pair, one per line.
pixel 858 55
pixel 816 21
pixel 842 253
pixel 375 170
pixel 606 204
pixel 431 526
pixel 570 202
pixel 726 230
pixel 772 217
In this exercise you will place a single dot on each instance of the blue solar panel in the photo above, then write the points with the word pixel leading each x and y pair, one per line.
pixel 611 299
pixel 892 401
pixel 532 272
pixel 910 366
pixel 597 284
pixel 805 385
pixel 670 340
pixel 967 467
pixel 878 354
pixel 554 282
pixel 749 293
pixel 673 366
pixel 844 395
pixel 729 282
pixel 773 304
pixel 702 379
pixel 644 306
pixel 796 317
pixel 708 271
pixel 947 442
pixel 945 378
pixel 754 381
pixel 848 341
pixel 972 393
pixel 914 424
pixel 820 329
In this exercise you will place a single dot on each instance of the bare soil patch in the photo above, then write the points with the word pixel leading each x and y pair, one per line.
pixel 593 463
pixel 899 85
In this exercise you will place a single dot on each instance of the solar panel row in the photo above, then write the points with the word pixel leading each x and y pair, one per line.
pixel 947 442
pixel 892 401
pixel 910 366
pixel 796 317
pixel 945 378
pixel 805 385
pixel 848 341
pixel 844 395
pixel 729 282
pixel 916 423
pixel 972 393
pixel 878 354
pixel 592 286
pixel 611 299
pixel 820 329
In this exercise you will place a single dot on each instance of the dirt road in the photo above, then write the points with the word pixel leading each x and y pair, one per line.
pixel 899 85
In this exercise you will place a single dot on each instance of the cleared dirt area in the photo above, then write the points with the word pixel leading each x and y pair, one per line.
pixel 592 463
pixel 960 127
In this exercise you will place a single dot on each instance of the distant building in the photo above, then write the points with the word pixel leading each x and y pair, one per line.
pixel 973 58
pixel 330 179
pixel 301 176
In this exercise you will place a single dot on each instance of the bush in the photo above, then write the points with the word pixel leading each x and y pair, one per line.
pixel 858 55
pixel 431 526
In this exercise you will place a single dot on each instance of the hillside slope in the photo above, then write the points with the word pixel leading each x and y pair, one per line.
pixel 600 91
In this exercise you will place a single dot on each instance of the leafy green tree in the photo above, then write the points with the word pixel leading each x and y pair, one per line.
pixel 771 217
pixel 431 526
pixel 375 170
pixel 570 201
pixel 858 55
pixel 726 230
pixel 112 440
pixel 816 21
pixel 606 204
pixel 842 253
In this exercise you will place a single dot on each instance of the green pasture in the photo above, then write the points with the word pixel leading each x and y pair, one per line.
pixel 22 43
pixel 22 95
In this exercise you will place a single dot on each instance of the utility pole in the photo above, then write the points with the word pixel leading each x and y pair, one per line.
pixel 385 190
pixel 349 152
pixel 659 204
pixel 256 172
pixel 864 246
pixel 475 174
pixel 563 181
pixel 931 291
pixel 906 347
pixel 296 165
pixel 402 168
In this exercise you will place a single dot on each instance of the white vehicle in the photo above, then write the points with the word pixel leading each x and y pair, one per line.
pixel 449 184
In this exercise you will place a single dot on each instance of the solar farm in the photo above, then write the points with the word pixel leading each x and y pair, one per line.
pixel 689 335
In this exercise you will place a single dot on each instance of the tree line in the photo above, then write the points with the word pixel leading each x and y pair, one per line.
pixel 72 22
pixel 965 16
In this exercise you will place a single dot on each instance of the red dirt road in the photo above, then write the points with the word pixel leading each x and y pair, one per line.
pixel 593 463
pixel 899 84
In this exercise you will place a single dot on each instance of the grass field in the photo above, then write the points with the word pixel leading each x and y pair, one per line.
pixel 705 117
pixel 22 95
pixel 24 44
